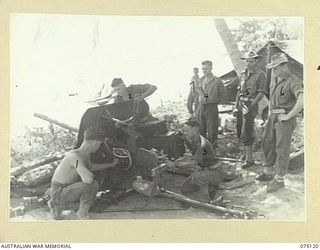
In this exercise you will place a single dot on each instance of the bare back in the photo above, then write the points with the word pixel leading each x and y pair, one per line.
pixel 66 172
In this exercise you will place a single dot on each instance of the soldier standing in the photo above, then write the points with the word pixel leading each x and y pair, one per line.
pixel 211 93
pixel 253 88
pixel 286 101
pixel 193 97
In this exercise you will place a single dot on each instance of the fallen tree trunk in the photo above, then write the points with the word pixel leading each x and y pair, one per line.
pixel 229 159
pixel 296 162
pixel 21 191
pixel 61 124
pixel 38 176
pixel 16 171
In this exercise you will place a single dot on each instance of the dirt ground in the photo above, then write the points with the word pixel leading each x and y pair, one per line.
pixel 286 204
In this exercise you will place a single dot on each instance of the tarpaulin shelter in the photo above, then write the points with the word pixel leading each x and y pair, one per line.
pixel 291 48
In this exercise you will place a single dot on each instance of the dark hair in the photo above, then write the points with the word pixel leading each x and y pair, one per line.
pixel 93 134
pixel 116 82
pixel 192 123
pixel 209 63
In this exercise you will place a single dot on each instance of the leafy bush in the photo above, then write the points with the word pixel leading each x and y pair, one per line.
pixel 39 142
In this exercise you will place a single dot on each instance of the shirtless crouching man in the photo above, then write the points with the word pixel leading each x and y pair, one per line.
pixel 73 180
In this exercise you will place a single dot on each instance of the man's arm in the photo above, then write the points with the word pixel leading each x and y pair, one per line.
pixel 190 101
pixel 237 99
pixel 262 88
pixel 189 164
pixel 258 98
pixel 148 92
pixel 104 100
pixel 296 88
pixel 296 110
pixel 235 111
pixel 101 166
pixel 85 174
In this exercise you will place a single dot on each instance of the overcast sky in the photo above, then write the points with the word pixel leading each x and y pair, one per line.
pixel 53 56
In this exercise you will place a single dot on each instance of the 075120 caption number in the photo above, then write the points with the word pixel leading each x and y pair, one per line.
pixel 313 245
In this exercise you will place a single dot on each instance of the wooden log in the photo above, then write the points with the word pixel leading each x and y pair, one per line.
pixel 61 124
pixel 227 111
pixel 296 162
pixel 21 191
pixel 38 176
pixel 229 159
pixel 16 171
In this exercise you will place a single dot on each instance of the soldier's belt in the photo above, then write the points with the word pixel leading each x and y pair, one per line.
pixel 246 99
pixel 278 111
pixel 209 104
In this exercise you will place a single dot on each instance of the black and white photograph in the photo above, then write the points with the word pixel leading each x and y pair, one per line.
pixel 156 117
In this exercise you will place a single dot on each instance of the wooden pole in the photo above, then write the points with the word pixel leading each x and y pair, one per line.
pixel 16 171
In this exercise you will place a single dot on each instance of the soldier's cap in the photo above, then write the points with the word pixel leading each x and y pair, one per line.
pixel 207 62
pixel 250 55
pixel 116 81
pixel 277 59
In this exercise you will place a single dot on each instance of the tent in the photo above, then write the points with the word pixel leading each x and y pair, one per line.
pixel 291 48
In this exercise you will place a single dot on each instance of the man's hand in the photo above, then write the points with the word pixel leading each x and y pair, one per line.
pixel 283 117
pixel 247 111
pixel 114 162
pixel 120 124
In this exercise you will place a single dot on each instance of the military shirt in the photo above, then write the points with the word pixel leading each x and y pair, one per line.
pixel 284 93
pixel 252 83
pixel 203 152
pixel 133 90
pixel 195 78
pixel 193 96
pixel 212 90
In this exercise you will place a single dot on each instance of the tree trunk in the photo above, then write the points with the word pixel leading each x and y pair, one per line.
pixel 230 44
pixel 16 171
pixel 235 54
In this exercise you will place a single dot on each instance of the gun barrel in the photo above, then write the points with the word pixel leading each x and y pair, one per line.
pixel 171 195
pixel 61 124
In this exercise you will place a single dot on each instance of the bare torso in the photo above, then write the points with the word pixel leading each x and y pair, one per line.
pixel 66 172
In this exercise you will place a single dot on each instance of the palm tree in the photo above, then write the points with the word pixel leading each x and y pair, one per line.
pixel 230 44
pixel 234 53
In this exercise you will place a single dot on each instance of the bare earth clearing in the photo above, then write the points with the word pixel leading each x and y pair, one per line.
pixel 287 204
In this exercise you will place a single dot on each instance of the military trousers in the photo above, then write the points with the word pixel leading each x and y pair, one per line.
pixel 208 118
pixel 276 145
pixel 245 125
pixel 81 192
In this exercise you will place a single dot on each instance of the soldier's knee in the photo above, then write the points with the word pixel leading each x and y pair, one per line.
pixel 94 186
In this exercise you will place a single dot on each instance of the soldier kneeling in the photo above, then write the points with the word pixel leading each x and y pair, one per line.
pixel 208 171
